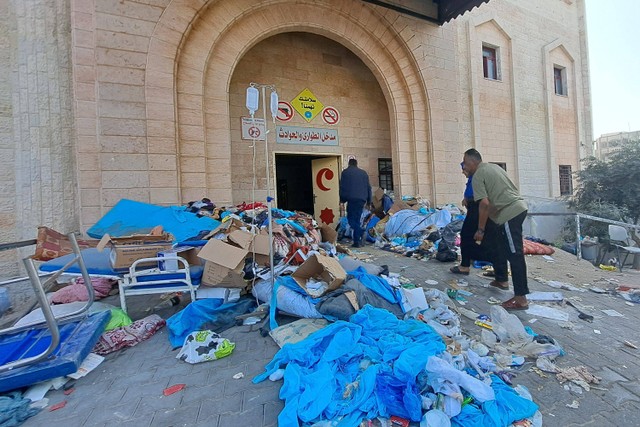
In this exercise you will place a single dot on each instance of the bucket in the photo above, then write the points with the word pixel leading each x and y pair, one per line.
pixel 589 251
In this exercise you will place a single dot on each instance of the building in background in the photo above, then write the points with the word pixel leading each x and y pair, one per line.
pixel 609 142
pixel 145 100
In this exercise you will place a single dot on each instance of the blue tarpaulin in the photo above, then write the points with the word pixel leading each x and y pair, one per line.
pixel 130 217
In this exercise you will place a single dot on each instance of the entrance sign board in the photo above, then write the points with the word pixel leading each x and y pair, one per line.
pixel 306 136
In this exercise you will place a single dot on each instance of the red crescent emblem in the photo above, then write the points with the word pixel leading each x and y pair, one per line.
pixel 323 173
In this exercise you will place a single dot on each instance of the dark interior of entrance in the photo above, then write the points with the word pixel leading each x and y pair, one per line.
pixel 294 182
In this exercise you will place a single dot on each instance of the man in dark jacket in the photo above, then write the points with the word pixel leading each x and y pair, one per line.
pixel 355 191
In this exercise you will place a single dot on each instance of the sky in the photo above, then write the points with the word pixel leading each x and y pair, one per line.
pixel 613 31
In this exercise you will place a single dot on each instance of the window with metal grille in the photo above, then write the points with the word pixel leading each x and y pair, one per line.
pixel 560 80
pixel 385 174
pixel 566 183
pixel 490 64
pixel 501 164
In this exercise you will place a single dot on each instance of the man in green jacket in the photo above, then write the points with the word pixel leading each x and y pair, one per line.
pixel 502 210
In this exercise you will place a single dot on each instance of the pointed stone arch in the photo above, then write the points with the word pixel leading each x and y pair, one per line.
pixel 207 39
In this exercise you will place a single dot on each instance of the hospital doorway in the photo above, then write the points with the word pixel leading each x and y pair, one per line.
pixel 309 183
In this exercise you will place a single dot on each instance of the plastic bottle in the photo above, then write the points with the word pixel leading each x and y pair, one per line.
pixel 174 300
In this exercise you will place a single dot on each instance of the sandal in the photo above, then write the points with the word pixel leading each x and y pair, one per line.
pixel 512 304
pixel 499 285
pixel 456 270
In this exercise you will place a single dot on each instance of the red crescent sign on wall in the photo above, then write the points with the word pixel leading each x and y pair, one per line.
pixel 324 173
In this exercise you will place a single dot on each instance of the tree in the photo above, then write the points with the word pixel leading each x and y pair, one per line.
pixel 611 188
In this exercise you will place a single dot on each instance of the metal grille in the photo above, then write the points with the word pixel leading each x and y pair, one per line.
pixel 566 183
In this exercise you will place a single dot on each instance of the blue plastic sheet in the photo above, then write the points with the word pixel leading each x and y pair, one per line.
pixel 209 313
pixel 130 217
pixel 380 352
pixel 507 407
pixel 378 285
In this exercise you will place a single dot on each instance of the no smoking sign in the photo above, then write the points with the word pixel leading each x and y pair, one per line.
pixel 330 116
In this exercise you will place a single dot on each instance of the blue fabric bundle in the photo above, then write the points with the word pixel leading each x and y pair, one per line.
pixel 378 285
pixel 351 370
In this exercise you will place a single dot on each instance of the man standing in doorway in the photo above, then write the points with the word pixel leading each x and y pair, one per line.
pixel 355 191
pixel 502 210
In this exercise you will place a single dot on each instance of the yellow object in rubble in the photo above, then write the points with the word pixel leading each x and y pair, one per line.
pixel 608 267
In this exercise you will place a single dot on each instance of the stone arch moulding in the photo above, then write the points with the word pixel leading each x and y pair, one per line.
pixel 209 45
pixel 547 63
pixel 474 66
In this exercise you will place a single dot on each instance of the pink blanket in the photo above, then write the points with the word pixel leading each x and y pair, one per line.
pixel 128 336
pixel 78 291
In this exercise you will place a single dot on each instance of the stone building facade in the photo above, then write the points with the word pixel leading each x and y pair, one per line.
pixel 143 99
pixel 607 144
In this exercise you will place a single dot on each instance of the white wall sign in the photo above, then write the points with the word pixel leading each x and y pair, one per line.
pixel 253 129
pixel 306 136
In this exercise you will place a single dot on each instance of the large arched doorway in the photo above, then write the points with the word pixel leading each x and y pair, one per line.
pixel 209 47
pixel 338 78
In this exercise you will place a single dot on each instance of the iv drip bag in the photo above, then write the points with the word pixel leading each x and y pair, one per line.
pixel 274 104
pixel 252 99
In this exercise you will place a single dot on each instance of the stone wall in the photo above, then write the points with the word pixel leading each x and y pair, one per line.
pixel 38 179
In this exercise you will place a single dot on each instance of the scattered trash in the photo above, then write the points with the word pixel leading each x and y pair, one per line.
pixel 58 406
pixel 573 388
pixel 608 267
pixel 597 331
pixel 69 391
pixel 612 313
pixel 534 320
pixel 547 312
pixel 546 365
pixel 630 344
pixel 597 290
pixel 545 296
pixel 581 315
pixel 89 364
pixel 494 301
pixel 562 285
pixel 238 376
pixel 566 325
pixel 578 375
pixel 574 405
pixel 548 258
pixel 431 282
pixel 173 389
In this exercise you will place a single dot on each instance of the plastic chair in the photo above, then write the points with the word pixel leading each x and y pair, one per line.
pixel 156 281
pixel 619 234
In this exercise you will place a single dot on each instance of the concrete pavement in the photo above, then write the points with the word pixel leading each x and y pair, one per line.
pixel 127 387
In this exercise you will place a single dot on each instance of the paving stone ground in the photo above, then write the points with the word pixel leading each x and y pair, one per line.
pixel 126 389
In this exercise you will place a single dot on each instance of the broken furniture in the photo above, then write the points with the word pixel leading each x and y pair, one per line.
pixel 619 234
pixel 155 280
pixel 55 347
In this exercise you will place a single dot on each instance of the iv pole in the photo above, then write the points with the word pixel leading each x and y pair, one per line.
pixel 252 105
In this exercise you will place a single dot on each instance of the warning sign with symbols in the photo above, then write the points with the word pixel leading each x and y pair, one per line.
pixel 307 105
pixel 253 129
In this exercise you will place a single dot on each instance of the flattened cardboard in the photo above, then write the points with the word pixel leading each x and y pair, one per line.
pixel 240 238
pixel 328 234
pixel 223 264
pixel 326 268
pixel 261 247
pixel 397 207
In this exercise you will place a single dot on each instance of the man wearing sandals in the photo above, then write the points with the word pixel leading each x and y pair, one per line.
pixel 502 210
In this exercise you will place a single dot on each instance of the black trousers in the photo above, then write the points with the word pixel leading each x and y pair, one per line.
pixel 506 242
pixel 469 250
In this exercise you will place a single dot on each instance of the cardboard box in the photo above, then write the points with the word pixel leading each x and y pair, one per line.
pixel 261 247
pixel 189 253
pixel 323 267
pixel 127 249
pixel 223 264
pixel 329 234
pixel 397 207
